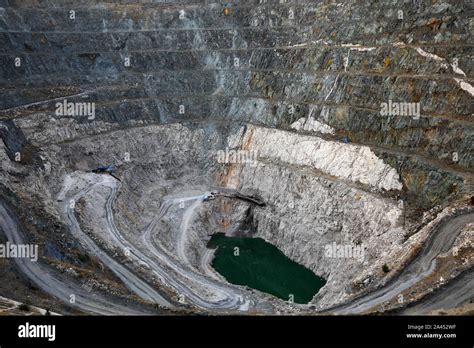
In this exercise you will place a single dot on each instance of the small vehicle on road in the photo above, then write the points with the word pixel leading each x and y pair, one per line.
pixel 208 196
pixel 109 169
pixel 104 169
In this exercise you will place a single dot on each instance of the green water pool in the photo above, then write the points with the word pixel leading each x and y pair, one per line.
pixel 260 265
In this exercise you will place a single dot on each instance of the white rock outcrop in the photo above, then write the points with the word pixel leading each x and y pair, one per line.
pixel 312 125
pixel 345 161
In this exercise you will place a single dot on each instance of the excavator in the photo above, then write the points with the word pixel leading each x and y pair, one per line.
pixel 109 169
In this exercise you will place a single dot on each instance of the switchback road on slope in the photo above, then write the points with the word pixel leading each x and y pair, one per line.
pixel 440 241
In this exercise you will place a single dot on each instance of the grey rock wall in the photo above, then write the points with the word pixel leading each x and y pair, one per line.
pixel 294 72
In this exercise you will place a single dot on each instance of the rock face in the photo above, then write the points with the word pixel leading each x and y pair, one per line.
pixel 291 93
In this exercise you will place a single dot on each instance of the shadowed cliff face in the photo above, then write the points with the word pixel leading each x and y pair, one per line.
pixel 310 103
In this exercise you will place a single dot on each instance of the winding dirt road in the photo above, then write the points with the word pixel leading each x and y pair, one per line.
pixel 454 294
pixel 133 282
pixel 52 283
pixel 440 241
pixel 208 291
pixel 191 286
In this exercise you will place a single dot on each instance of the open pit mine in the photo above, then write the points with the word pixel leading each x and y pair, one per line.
pixel 241 157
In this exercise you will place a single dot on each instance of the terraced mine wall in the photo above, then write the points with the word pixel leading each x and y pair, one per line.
pixel 255 65
pixel 302 84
